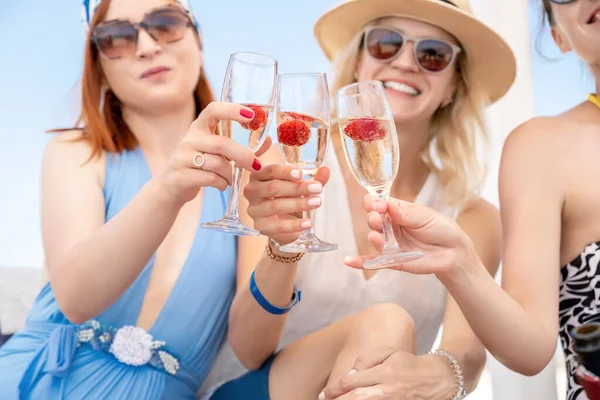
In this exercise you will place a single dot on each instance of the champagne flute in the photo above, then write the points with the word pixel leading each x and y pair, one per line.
pixel 303 121
pixel 371 148
pixel 250 81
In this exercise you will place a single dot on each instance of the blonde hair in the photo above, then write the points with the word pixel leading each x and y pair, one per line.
pixel 456 132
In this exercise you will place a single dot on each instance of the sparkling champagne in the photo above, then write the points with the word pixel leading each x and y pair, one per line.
pixel 302 139
pixel 249 134
pixel 369 151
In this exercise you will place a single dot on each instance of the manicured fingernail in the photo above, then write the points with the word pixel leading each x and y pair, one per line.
pixel 321 396
pixel 296 174
pixel 315 187
pixel 352 371
pixel 247 113
pixel 256 165
pixel 306 225
pixel 314 201
pixel 348 260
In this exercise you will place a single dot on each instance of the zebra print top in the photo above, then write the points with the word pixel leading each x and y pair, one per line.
pixel 579 304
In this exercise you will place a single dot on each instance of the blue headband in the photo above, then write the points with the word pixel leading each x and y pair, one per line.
pixel 90 6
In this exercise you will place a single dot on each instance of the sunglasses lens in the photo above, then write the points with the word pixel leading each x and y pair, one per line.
pixel 434 55
pixel 115 39
pixel 383 44
pixel 167 25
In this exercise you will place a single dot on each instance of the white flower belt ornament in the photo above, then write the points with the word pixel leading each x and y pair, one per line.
pixel 130 345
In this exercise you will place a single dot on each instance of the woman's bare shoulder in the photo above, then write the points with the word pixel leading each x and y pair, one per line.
pixel 70 152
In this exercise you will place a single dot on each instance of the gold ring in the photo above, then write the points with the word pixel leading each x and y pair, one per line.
pixel 201 163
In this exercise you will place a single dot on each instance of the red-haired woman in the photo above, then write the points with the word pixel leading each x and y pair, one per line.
pixel 137 302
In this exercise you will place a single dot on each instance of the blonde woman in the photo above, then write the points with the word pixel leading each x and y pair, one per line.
pixel 440 66
pixel 551 220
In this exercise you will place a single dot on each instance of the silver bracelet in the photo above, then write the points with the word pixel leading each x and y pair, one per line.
pixel 461 393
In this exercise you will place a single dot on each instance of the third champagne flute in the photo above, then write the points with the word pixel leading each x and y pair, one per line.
pixel 302 102
pixel 370 144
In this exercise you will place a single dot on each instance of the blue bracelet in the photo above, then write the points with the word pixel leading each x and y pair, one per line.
pixel 264 303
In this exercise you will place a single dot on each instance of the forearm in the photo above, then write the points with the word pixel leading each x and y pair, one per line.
pixel 254 333
pixel 520 342
pixel 92 274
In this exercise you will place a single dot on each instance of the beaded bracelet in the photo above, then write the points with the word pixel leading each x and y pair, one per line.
pixel 461 393
pixel 273 256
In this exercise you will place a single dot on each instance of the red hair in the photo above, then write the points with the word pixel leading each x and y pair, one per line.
pixel 105 128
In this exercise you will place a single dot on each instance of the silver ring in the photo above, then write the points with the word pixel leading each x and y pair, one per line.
pixel 195 160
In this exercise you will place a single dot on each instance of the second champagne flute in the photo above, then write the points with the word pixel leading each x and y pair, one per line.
pixel 370 144
pixel 302 102
pixel 250 81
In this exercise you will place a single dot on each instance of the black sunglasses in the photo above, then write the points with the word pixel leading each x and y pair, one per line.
pixel 431 55
pixel 118 38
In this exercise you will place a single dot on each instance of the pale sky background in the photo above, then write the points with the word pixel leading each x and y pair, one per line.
pixel 41 50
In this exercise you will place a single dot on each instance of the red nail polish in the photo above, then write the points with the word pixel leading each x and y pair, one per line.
pixel 256 165
pixel 244 112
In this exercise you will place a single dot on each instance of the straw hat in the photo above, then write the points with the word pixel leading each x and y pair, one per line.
pixel 490 59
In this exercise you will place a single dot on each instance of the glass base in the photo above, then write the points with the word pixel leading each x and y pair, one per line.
pixel 309 245
pixel 390 258
pixel 230 225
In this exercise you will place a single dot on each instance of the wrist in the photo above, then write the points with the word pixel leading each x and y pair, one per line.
pixel 272 284
pixel 163 196
pixel 444 385
pixel 273 252
pixel 466 263
pixel 267 305
pixel 452 385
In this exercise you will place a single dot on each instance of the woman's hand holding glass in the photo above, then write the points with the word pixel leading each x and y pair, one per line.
pixel 202 158
pixel 444 245
pixel 278 196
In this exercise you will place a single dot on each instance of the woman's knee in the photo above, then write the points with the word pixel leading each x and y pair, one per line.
pixel 387 318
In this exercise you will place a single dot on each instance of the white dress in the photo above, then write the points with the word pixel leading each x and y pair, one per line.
pixel 331 290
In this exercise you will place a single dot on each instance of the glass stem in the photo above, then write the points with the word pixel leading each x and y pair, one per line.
pixel 238 174
pixel 309 233
pixel 388 230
